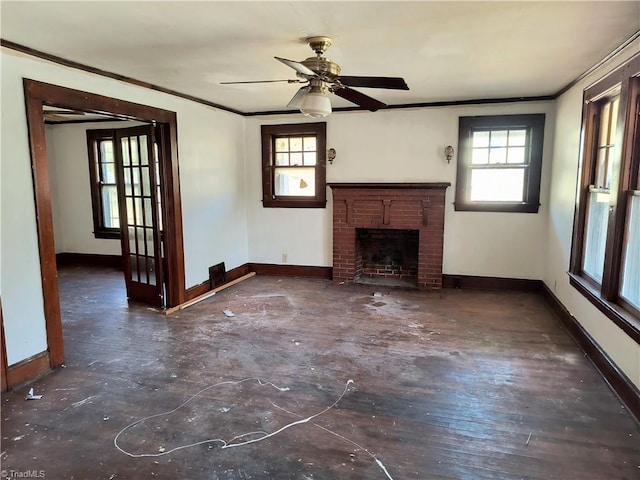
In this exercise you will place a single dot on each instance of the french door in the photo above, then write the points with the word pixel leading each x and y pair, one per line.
pixel 140 215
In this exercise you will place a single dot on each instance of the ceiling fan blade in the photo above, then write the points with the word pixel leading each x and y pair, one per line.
pixel 296 101
pixel 395 83
pixel 359 98
pixel 261 81
pixel 298 67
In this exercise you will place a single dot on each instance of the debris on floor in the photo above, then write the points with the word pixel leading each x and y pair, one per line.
pixel 32 396
pixel 377 294
pixel 228 313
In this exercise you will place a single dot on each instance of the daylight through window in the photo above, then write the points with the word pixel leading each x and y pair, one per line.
pixel 499 163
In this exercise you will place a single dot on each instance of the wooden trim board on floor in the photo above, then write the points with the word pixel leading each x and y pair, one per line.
pixel 208 294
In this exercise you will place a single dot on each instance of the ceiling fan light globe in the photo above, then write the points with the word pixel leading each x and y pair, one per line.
pixel 316 105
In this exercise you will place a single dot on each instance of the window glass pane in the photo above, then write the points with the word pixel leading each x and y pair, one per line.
pixel 109 172
pixel 282 159
pixel 106 151
pixel 605 116
pixel 295 181
pixel 498 155
pixel 480 139
pixel 517 138
pixel 295 158
pixel 295 144
pixel 282 144
pixel 110 215
pixel 497 185
pixel 601 180
pixel 480 156
pixel 309 144
pixel 630 281
pixel 499 138
pixel 310 158
pixel 595 234
pixel 516 155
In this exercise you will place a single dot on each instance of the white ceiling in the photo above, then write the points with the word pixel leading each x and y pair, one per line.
pixel 446 51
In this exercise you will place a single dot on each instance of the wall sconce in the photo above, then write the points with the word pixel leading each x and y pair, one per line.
pixel 331 155
pixel 448 153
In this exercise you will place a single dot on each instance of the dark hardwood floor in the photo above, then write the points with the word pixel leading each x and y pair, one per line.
pixel 449 385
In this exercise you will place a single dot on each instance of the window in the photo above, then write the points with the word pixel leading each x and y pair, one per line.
pixel 102 175
pixel 499 163
pixel 293 165
pixel 605 257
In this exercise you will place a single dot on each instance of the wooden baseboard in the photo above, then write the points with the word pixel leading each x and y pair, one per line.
pixel 238 272
pixel 626 391
pixel 291 270
pixel 28 370
pixel 91 259
pixel 196 290
pixel 490 283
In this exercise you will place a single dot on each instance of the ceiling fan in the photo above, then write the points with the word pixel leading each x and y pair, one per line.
pixel 319 74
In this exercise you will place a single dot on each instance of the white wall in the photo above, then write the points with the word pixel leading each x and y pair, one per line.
pixel 402 146
pixel 71 190
pixel 624 351
pixel 210 150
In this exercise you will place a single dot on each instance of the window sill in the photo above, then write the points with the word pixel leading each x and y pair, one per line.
pixel 622 318
pixel 114 235
pixel 496 207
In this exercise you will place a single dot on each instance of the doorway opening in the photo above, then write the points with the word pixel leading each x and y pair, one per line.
pixel 37 95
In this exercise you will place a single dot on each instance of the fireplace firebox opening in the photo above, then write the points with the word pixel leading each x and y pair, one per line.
pixel 387 257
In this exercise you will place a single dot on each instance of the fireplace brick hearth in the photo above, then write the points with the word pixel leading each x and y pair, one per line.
pixel 400 206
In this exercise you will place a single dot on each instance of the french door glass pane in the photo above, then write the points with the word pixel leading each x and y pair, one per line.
pixel 630 281
pixel 497 185
pixel 596 235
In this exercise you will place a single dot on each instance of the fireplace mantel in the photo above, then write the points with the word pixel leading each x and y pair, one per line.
pixel 402 206
pixel 412 186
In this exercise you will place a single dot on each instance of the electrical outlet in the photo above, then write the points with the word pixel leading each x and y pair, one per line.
pixel 284 258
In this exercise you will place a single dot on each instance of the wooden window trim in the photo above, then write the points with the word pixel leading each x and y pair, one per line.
pixel 99 230
pixel 605 297
pixel 268 133
pixel 534 122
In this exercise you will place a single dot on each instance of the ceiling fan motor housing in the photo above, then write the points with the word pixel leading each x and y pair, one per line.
pixel 324 67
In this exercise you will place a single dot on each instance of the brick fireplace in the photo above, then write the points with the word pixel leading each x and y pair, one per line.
pixel 377 224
